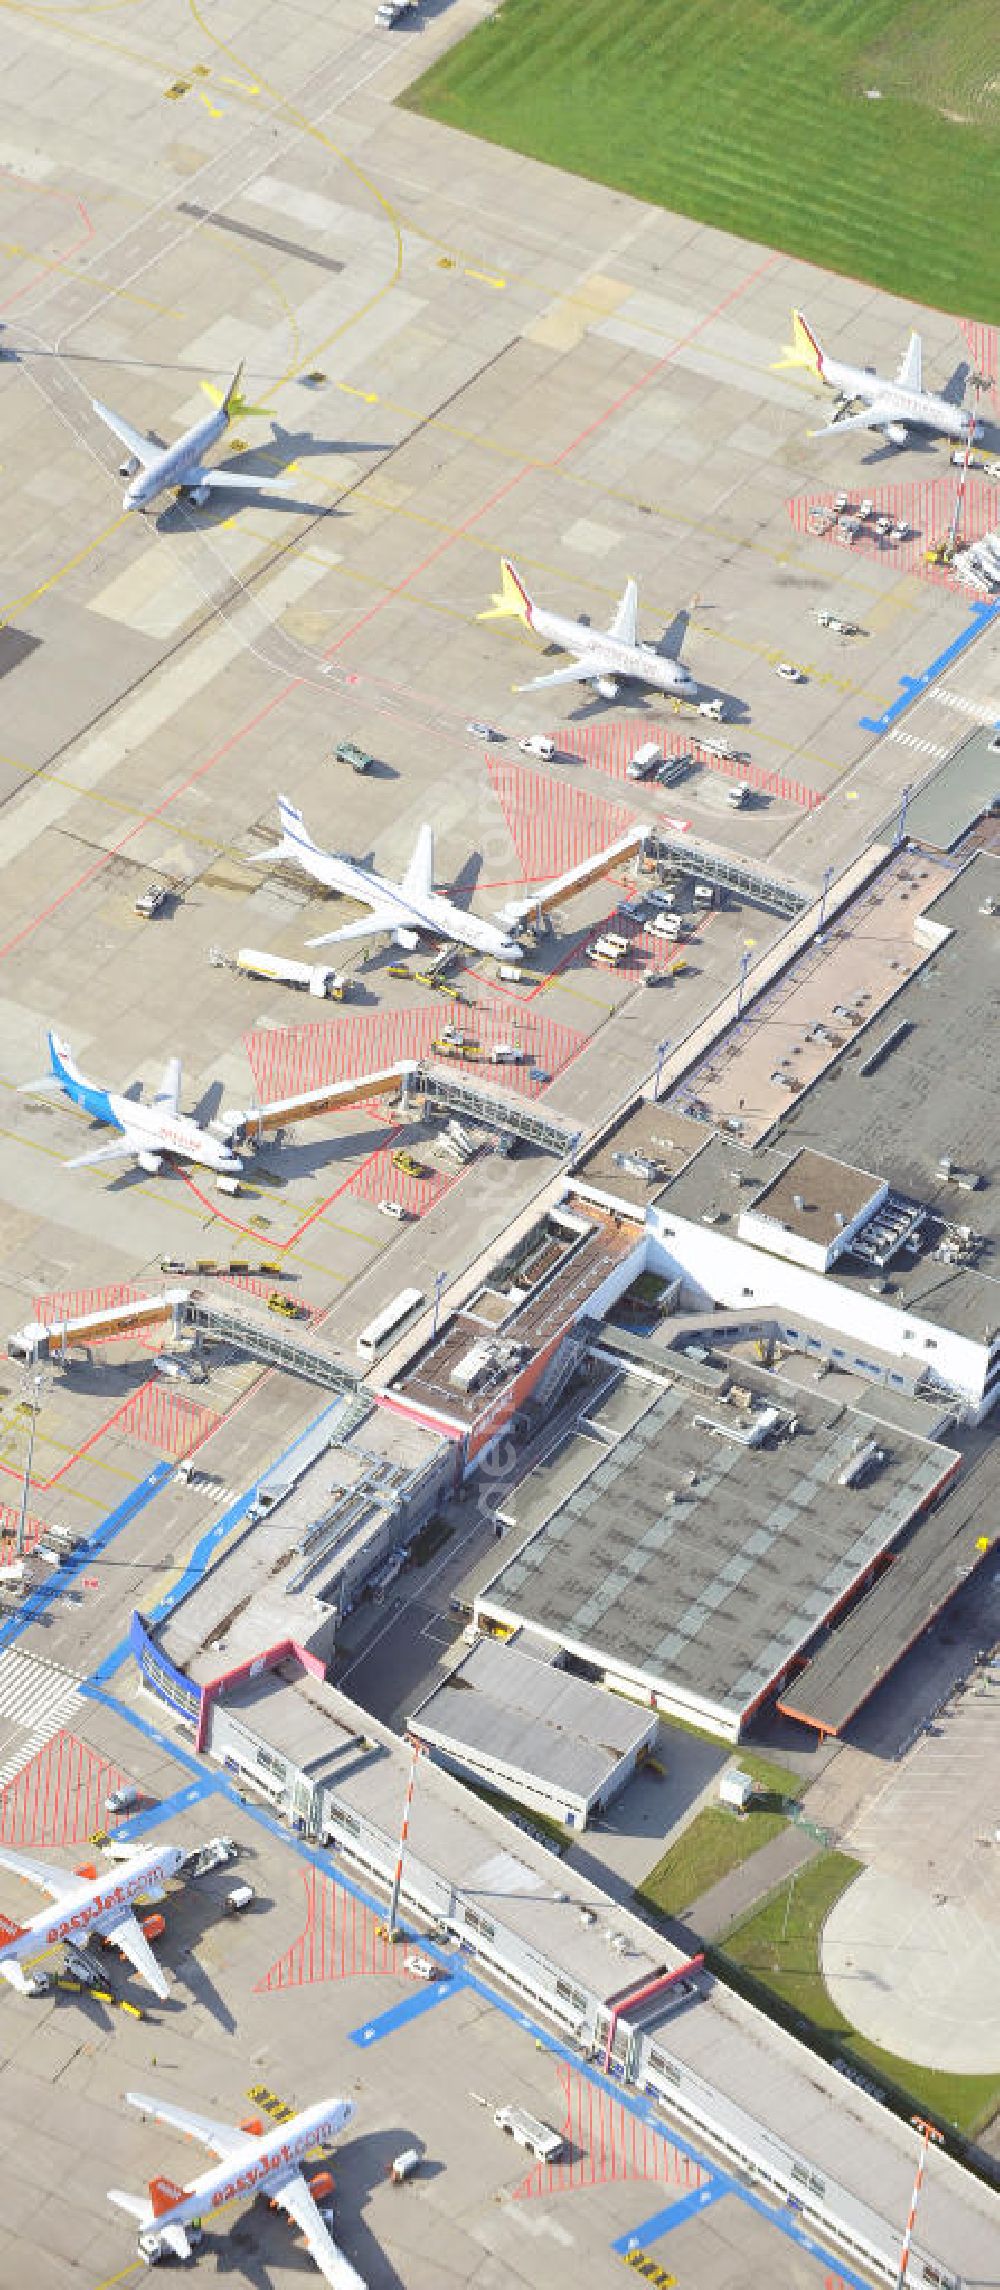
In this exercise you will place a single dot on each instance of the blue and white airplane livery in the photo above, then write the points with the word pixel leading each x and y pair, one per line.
pixel 148 1133
pixel 155 468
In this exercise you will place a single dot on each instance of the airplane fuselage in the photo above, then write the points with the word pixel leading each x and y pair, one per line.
pixel 72 1917
pixel 155 1133
pixel 635 663
pixel 437 917
pixel 168 472
pixel 277 2155
pixel 911 409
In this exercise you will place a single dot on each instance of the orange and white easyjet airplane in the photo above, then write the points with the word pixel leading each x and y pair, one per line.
pixel 85 1902
pixel 251 2161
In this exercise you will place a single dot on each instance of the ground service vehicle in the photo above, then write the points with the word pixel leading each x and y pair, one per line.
pixel 150 900
pixel 530 2132
pixel 311 977
pixel 388 1322
pixel 644 762
pixel 538 744
pixel 358 757
pixel 704 894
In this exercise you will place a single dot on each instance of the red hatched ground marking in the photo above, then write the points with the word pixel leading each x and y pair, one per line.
pixel 379 1180
pixel 290 1059
pixel 341 1940
pixel 162 1419
pixel 610 748
pixel 553 826
pixel 33 1528
pixel 606 2141
pixel 79 1303
pixel 58 1797
pixel 927 509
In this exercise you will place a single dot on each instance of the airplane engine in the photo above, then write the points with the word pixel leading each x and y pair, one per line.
pixel 198 495
pixel 410 939
pixel 607 686
pixel 151 1162
pixel 128 468
pixel 896 432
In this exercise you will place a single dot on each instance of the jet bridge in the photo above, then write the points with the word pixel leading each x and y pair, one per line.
pixel 270 1341
pixel 730 873
pixel 515 1117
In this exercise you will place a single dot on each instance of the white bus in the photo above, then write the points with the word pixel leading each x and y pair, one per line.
pixel 385 1324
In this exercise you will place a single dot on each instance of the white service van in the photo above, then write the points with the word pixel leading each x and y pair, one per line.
pixel 666 926
pixel 644 762
pixel 537 744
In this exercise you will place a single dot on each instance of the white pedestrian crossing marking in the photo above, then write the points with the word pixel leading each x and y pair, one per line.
pixel 981 711
pixel 38 1698
pixel 919 746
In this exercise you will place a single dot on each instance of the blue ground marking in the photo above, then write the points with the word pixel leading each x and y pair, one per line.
pixel 409 2008
pixel 787 2224
pixel 152 1815
pixel 83 1557
pixel 912 687
pixel 687 2206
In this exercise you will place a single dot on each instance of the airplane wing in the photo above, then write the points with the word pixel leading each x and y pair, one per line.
pixel 219 479
pixel 142 448
pixel 581 672
pixel 875 416
pixel 418 881
pixel 126 1932
pixel 295 2198
pixel 56 1882
pixel 367 926
pixel 222 2139
pixel 120 1149
pixel 168 1096
pixel 626 620
pixel 911 365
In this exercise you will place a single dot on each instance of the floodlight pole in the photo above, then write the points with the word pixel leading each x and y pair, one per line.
pixel 828 875
pixel 404 1831
pixel 440 1284
pixel 661 1052
pixel 904 798
pixel 929 2133
pixel 22 1520
pixel 744 967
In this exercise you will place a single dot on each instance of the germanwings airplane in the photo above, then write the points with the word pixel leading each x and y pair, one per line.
pixel 86 1902
pixel 404 909
pixel 155 468
pixel 252 2161
pixel 603 659
pixel 895 407
pixel 148 1132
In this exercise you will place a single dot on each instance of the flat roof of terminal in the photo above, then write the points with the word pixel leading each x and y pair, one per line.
pixel 512 1875
pixel 812 1192
pixel 503 1704
pixel 933 1093
pixel 704 1565
pixel 658 1133
pixel 957 793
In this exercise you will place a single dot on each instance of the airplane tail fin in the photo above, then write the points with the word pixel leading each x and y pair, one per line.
pixel 232 401
pixel 802 350
pixel 164 2194
pixel 511 601
pixel 9 1931
pixel 295 836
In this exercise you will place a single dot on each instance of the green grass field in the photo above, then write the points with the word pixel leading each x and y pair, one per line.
pixel 779 1946
pixel 715 1842
pixel 752 115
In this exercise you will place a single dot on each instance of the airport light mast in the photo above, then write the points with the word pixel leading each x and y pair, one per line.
pixel 403 1834
pixel 929 2132
pixel 22 1520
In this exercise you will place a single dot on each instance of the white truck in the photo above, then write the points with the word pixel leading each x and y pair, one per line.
pixel 530 2132
pixel 309 977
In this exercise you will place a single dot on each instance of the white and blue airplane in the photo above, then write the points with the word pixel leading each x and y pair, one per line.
pixel 254 2160
pixel 405 910
pixel 603 658
pixel 154 468
pixel 894 408
pixel 149 1133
